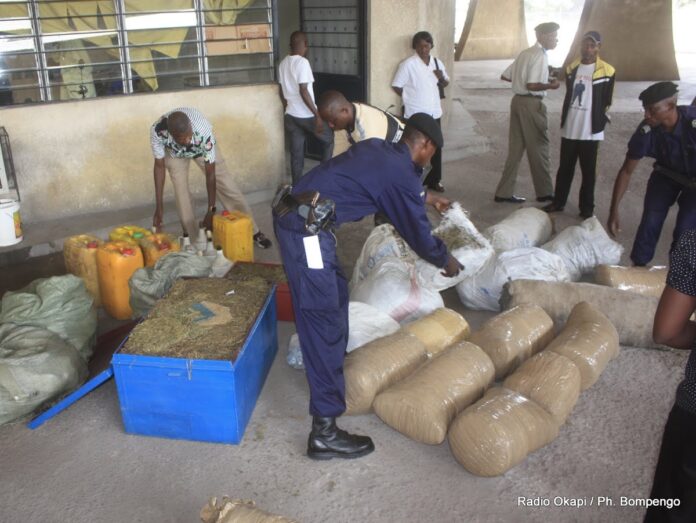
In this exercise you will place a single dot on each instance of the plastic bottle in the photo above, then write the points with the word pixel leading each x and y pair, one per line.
pixel 156 246
pixel 186 245
pixel 210 248
pixel 233 230
pixel 221 265
pixel 201 240
pixel 116 263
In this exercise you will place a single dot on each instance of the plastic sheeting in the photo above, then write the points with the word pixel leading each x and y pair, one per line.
pixel 439 329
pixel 376 366
pixel 585 246
pixel 513 336
pixel 60 304
pixel 36 366
pixel 648 281
pixel 482 291
pixel 589 340
pixel 549 379
pixel 423 405
pixel 526 227
pixel 499 431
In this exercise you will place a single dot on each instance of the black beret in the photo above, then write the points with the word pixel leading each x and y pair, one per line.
pixel 658 92
pixel 546 28
pixel 428 126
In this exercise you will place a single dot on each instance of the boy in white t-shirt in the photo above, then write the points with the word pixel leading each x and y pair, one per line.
pixel 589 90
pixel 301 115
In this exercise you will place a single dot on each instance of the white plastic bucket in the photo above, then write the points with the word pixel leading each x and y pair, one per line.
pixel 10 223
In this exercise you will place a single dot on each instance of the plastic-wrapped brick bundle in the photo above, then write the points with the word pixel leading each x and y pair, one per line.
pixel 631 313
pixel 648 281
pixel 499 431
pixel 585 246
pixel 379 364
pixel 423 405
pixel 589 340
pixel 439 329
pixel 513 336
pixel 527 227
pixel 549 379
pixel 238 511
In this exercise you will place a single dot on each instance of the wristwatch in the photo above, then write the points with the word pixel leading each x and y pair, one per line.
pixel 212 209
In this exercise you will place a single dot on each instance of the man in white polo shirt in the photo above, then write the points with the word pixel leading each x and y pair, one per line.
pixel 416 81
pixel 301 115
pixel 529 126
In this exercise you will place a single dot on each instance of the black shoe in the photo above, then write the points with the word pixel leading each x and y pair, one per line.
pixel 327 441
pixel 511 199
pixel 261 240
pixel 586 214
pixel 437 187
pixel 552 207
pixel 548 198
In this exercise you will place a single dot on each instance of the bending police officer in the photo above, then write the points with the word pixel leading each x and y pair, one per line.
pixel 372 176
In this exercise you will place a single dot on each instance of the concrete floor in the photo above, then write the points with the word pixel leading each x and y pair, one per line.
pixel 81 466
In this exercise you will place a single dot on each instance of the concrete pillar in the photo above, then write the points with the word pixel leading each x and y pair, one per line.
pixel 494 29
pixel 637 37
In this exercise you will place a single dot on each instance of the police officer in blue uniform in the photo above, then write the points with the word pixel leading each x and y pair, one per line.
pixel 668 134
pixel 372 176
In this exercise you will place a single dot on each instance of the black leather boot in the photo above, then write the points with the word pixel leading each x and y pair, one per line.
pixel 327 441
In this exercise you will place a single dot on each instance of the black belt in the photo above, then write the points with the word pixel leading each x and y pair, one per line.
pixel 318 213
pixel 681 179
pixel 530 96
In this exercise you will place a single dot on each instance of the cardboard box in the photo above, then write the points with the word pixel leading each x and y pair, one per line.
pixel 238 39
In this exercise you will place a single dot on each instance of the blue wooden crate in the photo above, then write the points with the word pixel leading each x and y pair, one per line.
pixel 202 400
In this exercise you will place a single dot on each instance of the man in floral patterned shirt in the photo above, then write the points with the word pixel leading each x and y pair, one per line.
pixel 178 137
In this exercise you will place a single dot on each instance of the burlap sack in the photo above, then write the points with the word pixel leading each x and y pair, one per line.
pixel 439 329
pixel 631 313
pixel 549 379
pixel 589 340
pixel 423 405
pixel 379 364
pixel 513 336
pixel 238 511
pixel 499 431
pixel 648 281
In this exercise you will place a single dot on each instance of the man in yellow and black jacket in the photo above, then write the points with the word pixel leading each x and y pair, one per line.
pixel 589 90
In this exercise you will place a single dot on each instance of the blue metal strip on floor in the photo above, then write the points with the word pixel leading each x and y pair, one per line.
pixel 71 398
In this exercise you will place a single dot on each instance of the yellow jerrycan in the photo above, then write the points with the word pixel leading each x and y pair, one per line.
pixel 234 232
pixel 116 263
pixel 80 255
pixel 157 245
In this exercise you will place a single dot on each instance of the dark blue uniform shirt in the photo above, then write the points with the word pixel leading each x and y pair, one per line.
pixel 666 147
pixel 377 176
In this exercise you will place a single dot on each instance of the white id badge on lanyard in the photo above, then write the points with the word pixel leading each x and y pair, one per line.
pixel 313 252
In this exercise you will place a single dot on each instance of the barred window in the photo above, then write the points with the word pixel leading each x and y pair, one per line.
pixel 62 50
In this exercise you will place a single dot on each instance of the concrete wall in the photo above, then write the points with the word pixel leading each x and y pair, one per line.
pixel 494 29
pixel 92 155
pixel 391 25
pixel 288 21
pixel 636 37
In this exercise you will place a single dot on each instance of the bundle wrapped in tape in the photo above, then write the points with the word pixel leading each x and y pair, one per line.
pixel 549 379
pixel 513 336
pixel 499 431
pixel 439 329
pixel 379 364
pixel 590 340
pixel 237 511
pixel 423 405
pixel 648 281
pixel 631 313
pixel 527 227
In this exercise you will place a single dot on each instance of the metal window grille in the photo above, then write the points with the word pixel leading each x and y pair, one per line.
pixel 61 50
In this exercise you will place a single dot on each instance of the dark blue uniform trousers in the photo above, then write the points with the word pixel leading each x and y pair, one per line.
pixel 320 300
pixel 660 195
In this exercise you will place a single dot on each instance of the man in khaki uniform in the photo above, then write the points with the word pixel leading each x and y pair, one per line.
pixel 529 75
pixel 178 137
